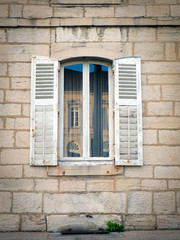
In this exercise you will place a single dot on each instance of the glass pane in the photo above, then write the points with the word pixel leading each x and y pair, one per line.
pixel 99 111
pixel 73 136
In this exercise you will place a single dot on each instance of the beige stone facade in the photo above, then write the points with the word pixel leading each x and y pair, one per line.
pixel 42 199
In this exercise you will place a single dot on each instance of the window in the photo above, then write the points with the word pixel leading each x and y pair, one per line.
pixel 87 131
pixel 85 93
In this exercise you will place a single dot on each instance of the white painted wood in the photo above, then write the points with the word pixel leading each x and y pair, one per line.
pixel 128 112
pixel 44 110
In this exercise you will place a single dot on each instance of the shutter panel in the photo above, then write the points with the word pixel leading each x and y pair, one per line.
pixel 44 111
pixel 128 112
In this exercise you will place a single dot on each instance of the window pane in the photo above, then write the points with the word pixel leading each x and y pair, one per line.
pixel 99 111
pixel 73 136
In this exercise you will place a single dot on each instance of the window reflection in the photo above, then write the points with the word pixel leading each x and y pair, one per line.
pixel 73 136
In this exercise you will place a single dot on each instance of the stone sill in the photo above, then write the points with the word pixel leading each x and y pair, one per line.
pixel 72 3
pixel 89 22
pixel 101 170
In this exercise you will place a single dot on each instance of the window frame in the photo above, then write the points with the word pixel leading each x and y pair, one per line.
pixel 86 159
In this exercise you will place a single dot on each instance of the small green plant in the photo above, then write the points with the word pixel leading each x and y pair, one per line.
pixel 114 227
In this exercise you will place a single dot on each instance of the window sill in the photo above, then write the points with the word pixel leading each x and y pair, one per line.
pixel 108 170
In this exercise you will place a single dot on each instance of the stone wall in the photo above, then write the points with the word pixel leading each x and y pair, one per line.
pixel 148 197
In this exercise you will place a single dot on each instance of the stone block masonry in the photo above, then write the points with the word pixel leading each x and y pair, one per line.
pixel 145 198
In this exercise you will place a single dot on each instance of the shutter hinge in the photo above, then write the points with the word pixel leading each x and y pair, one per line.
pixel 58 112
pixel 32 132
pixel 113 70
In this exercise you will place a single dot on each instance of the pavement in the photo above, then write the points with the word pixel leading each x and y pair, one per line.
pixel 129 235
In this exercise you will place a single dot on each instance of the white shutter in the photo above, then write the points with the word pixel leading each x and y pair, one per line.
pixel 44 111
pixel 128 112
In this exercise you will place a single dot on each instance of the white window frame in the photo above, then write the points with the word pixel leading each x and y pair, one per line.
pixel 85 159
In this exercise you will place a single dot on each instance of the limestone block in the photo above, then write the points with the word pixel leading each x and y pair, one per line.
pixel 15 156
pixel 58 223
pixel 28 22
pixel 152 184
pixel 27 202
pixel 151 93
pixel 10 109
pixel 2 35
pixel 175 11
pixel 127 11
pixel 20 83
pixel 142 34
pixel 141 1
pixel 142 222
pixel 9 222
pixel 29 35
pixel 164 202
pixel 34 172
pixel 157 11
pixel 15 10
pixel 4 10
pixel 26 110
pixel 170 51
pixel 3 67
pixel 123 184
pixel 161 67
pixel 7 138
pixel 171 93
pixel 33 223
pixel 22 52
pixel 174 184
pixel 15 1
pixel 46 185
pixel 178 202
pixel 168 222
pixel 165 2
pixel 8 22
pixel 72 185
pixel 5 202
pixel 19 69
pixel 149 50
pixel 167 172
pixel 169 137
pixel 139 202
pixel 105 202
pixel 161 122
pixel 39 2
pixel 150 136
pixel 4 82
pixel 16 184
pixel 177 108
pixel 18 123
pixel 161 155
pixel 164 79
pixel 11 171
pixel 168 34
pixel 18 96
pixel 22 139
pixel 99 12
pixel 101 185
pixel 139 172
pixel 37 12
pixel 160 108
pixel 68 12
pixel 75 22
pixel 1 96
pixel 1 123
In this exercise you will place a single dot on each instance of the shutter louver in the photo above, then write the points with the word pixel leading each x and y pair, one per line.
pixel 128 112
pixel 44 110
